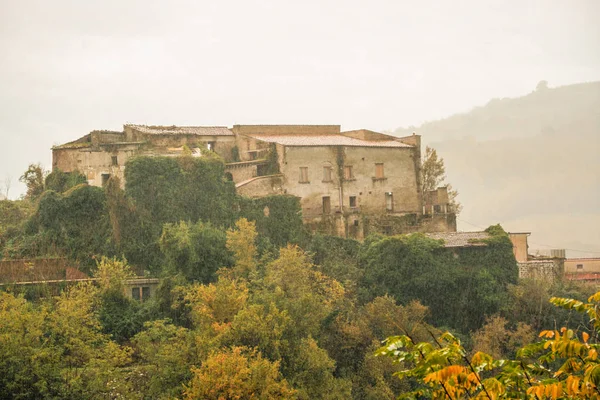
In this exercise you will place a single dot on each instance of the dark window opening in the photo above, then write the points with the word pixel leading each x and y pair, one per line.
pixel 262 170
pixel 355 222
pixel 140 293
pixel 145 293
pixel 437 208
pixel 229 176
pixel 579 266
pixel 105 178
pixel 114 160
pixel 352 201
pixel 326 205
pixel 210 146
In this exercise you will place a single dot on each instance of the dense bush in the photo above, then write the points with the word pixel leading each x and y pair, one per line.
pixel 460 286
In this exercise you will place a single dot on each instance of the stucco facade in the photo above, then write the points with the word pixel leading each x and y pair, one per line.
pixel 350 183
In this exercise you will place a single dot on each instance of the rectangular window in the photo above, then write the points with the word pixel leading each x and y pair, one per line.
pixel 389 201
pixel 348 172
pixel 379 171
pixel 105 178
pixel 145 293
pixel 352 201
pixel 579 267
pixel 327 174
pixel 326 205
pixel 303 175
pixel 114 160
pixel 135 293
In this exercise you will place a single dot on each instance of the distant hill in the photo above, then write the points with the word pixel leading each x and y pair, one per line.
pixel 564 109
pixel 531 163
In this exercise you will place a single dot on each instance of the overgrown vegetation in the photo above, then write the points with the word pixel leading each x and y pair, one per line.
pixel 249 304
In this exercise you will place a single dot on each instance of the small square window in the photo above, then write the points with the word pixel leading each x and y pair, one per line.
pixel 352 201
pixel 114 160
pixel 579 267
pixel 303 175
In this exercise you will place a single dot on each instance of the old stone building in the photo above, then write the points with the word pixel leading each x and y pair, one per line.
pixel 350 183
pixel 549 267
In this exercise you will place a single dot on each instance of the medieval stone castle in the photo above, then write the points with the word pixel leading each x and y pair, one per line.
pixel 349 183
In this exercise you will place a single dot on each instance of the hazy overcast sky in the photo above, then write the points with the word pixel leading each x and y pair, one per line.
pixel 69 67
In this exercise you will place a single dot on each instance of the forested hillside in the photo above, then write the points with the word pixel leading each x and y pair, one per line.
pixel 250 305
pixel 530 163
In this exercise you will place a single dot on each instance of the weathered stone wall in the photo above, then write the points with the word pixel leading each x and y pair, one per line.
pixel 42 269
pixel 314 189
pixel 550 269
pixel 99 137
pixel 261 186
pixel 400 179
pixel 286 129
pixel 520 247
pixel 242 171
pixel 222 144
pixel 251 149
pixel 94 162
pixel 95 158
pixel 438 223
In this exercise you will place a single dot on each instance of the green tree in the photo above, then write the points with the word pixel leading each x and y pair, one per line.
pixel 33 178
pixel 241 242
pixel 235 374
pixel 433 173
pixel 57 350
pixel 181 189
pixel 60 181
pixel 564 364
pixel 166 352
pixel 196 251
pixel 460 286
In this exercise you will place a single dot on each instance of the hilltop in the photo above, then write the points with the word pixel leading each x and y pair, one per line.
pixel 529 162
pixel 572 109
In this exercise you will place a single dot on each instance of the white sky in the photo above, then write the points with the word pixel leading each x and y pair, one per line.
pixel 69 67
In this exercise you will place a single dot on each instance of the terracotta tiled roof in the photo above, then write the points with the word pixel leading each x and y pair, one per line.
pixel 326 140
pixel 183 130
pixel 460 239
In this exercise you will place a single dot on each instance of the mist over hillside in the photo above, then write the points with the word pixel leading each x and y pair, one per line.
pixel 531 163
